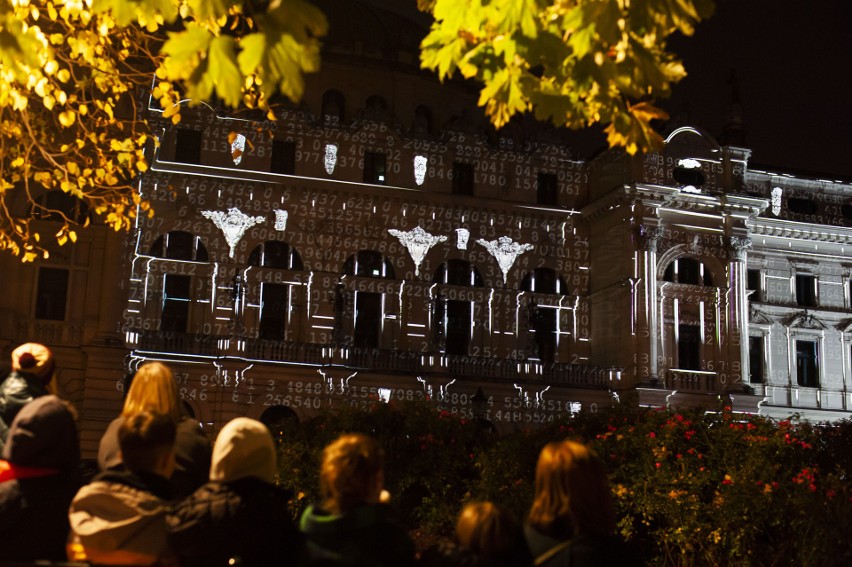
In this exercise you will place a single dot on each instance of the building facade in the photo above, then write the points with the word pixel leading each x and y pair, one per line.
pixel 381 242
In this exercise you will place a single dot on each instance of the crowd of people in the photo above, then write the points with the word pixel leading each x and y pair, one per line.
pixel 163 497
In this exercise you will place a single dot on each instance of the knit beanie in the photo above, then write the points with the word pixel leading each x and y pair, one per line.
pixel 243 448
pixel 35 359
pixel 43 434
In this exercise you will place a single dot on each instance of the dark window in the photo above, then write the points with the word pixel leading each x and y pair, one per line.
pixel 846 211
pixel 753 284
pixel 283 157
pixel 544 320
pixel 458 272
pixel 368 319
pixel 689 347
pixel 801 206
pixel 688 271
pixel 273 254
pixel 61 204
pixel 688 176
pixel 374 168
pixel 279 419
pixel 332 107
pixel 462 178
pixel 274 303
pixel 179 245
pixel 806 290
pixel 368 263
pixel 755 359
pixel 422 121
pixel 459 325
pixel 51 294
pixel 807 364
pixel 188 146
pixel 544 280
pixel 176 300
pixel 547 189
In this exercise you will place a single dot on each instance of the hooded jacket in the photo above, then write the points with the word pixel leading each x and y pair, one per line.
pixel 40 467
pixel 120 519
pixel 16 391
pixel 240 512
pixel 366 536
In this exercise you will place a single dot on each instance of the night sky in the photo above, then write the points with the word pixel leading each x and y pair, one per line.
pixel 793 60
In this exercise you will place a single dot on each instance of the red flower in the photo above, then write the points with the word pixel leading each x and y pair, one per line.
pixel 652 435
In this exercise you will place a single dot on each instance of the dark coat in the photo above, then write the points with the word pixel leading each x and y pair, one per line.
pixel 192 455
pixel 17 390
pixel 582 552
pixel 34 511
pixel 246 518
pixel 366 536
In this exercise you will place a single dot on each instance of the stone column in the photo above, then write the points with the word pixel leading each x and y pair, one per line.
pixel 738 304
pixel 649 237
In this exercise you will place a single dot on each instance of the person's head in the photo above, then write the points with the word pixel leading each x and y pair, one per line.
pixel 571 492
pixel 44 435
pixel 147 441
pixel 351 473
pixel 486 529
pixel 243 448
pixel 153 389
pixel 35 359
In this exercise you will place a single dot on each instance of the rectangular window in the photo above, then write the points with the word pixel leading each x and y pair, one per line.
pixel 462 178
pixel 273 311
pixel 375 168
pixel 175 317
pixel 689 347
pixel 547 189
pixel 188 146
pixel 51 294
pixel 283 157
pixel 849 292
pixel 368 319
pixel 755 360
pixel 806 290
pixel 807 364
pixel 754 284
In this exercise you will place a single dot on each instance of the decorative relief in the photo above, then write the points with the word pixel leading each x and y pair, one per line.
pixel 330 158
pixel 418 242
pixel 233 224
pixel 420 166
pixel 505 251
pixel 238 146
pixel 776 200
pixel 462 236
pixel 738 245
pixel 649 237
pixel 280 220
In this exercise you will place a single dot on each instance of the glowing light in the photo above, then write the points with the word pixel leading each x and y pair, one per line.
pixel 462 236
pixel 280 220
pixel 238 146
pixel 505 251
pixel 776 200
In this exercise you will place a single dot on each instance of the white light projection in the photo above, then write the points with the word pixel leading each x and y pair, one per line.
pixel 505 251
pixel 420 164
pixel 238 146
pixel 330 159
pixel 280 220
pixel 233 224
pixel 462 235
pixel 418 242
pixel 689 163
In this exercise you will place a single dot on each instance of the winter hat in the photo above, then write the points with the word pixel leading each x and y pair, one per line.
pixel 35 359
pixel 243 448
pixel 43 434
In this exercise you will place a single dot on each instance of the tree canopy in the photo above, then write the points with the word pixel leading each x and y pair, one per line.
pixel 76 75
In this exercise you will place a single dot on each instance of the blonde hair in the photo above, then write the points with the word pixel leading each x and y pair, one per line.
pixel 350 472
pixel 153 389
pixel 572 494
pixel 486 529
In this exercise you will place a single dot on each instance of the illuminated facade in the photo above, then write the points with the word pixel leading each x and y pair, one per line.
pixel 382 242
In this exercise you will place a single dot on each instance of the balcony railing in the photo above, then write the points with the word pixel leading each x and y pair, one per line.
pixel 380 360
pixel 698 381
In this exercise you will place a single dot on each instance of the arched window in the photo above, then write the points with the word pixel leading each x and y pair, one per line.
pixel 453 318
pixel 333 105
pixel 422 121
pixel 688 271
pixel 544 320
pixel 179 245
pixel 274 254
pixel 369 306
pixel 278 419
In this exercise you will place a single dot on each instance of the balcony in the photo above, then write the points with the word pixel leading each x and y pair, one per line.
pixel 693 381
pixel 377 360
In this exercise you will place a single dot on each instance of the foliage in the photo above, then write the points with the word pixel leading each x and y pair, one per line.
pixel 690 488
pixel 575 63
